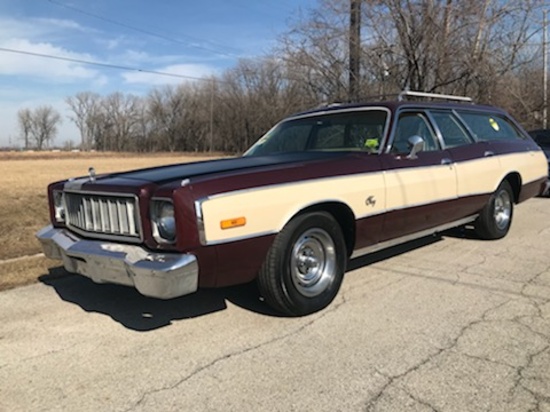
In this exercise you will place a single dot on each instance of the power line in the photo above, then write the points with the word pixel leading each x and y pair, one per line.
pixel 106 65
pixel 144 31
pixel 134 69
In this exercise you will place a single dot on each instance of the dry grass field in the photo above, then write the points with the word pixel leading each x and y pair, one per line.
pixel 23 201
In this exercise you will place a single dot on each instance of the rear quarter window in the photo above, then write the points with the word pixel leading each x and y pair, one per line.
pixel 452 132
pixel 490 126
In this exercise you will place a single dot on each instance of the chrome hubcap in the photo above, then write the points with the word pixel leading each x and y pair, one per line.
pixel 313 262
pixel 503 209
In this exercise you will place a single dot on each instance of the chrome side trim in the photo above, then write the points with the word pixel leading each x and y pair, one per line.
pixel 413 236
pixel 338 111
pixel 296 182
pixel 322 179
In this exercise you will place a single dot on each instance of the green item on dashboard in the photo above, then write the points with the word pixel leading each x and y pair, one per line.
pixel 371 143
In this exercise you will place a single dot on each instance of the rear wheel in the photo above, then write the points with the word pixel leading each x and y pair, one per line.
pixel 305 265
pixel 496 217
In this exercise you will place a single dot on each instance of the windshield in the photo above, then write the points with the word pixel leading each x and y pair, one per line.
pixel 358 131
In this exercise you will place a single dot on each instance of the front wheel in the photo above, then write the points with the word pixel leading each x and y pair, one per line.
pixel 305 265
pixel 496 217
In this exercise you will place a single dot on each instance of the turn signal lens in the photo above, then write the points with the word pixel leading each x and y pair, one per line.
pixel 231 223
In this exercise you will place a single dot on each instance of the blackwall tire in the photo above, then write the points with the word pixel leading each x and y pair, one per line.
pixel 305 265
pixel 495 219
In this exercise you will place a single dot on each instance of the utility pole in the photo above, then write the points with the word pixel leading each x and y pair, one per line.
pixel 212 90
pixel 544 73
pixel 354 49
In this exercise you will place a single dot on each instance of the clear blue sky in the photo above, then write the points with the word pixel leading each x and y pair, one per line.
pixel 187 37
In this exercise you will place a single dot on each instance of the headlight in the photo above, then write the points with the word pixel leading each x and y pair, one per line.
pixel 164 223
pixel 59 205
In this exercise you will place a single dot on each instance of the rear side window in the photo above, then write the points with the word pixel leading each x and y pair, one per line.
pixel 452 131
pixel 490 126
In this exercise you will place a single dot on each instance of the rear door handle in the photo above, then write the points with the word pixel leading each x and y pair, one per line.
pixel 488 153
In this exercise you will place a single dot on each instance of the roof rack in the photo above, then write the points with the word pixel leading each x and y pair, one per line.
pixel 410 93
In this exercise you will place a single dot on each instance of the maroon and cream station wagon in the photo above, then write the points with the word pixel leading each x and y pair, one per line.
pixel 320 188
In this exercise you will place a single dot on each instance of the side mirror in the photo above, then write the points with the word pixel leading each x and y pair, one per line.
pixel 417 144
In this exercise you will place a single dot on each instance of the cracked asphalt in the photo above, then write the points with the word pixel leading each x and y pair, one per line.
pixel 447 323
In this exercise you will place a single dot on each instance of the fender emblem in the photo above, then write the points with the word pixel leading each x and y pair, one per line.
pixel 371 201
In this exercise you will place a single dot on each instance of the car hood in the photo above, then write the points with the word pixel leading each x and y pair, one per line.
pixel 164 175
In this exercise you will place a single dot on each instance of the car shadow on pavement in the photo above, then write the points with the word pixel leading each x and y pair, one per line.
pixel 140 313
pixel 462 232
pixel 128 307
pixel 384 254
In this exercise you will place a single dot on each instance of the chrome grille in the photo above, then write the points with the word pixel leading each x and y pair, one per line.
pixel 103 214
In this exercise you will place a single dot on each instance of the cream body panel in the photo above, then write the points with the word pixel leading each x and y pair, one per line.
pixel 419 186
pixel 531 165
pixel 478 176
pixel 482 176
pixel 268 209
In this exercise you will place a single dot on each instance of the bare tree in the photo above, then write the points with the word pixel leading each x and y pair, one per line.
pixel 24 117
pixel 166 112
pixel 45 121
pixel 252 97
pixel 451 46
pixel 143 135
pixel 315 50
pixel 121 113
pixel 85 107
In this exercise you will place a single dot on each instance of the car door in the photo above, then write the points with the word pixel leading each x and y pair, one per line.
pixel 419 189
pixel 476 164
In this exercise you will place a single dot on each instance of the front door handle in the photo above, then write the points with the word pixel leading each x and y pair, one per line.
pixel 446 161
pixel 488 153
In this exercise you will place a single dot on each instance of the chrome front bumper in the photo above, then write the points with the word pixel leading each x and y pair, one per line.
pixel 158 275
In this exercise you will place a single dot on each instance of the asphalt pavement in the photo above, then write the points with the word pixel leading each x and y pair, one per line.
pixel 447 323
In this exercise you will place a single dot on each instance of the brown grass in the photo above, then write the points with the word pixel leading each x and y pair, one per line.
pixel 24 271
pixel 23 201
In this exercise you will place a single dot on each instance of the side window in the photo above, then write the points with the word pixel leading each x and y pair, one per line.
pixel 452 132
pixel 330 137
pixel 490 126
pixel 411 124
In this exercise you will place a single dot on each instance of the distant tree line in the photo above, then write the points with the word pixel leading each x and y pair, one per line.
pixel 488 49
